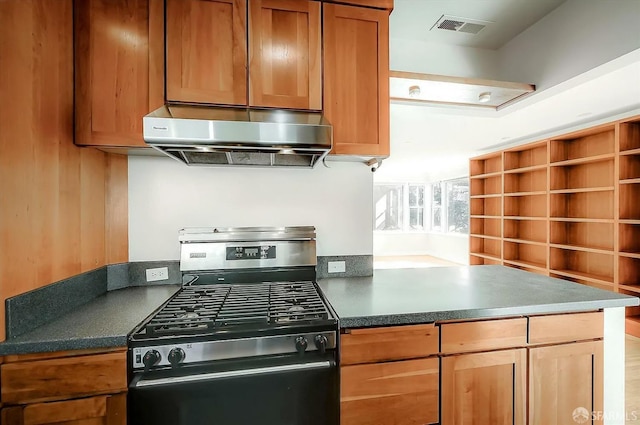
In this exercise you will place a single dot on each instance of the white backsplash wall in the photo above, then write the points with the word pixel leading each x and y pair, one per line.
pixel 165 196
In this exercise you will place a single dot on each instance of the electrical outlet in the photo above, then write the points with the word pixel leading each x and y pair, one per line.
pixel 160 273
pixel 336 267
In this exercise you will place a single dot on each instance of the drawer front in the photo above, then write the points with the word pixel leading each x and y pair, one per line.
pixel 55 379
pixel 566 327
pixel 483 335
pixel 390 343
pixel 399 393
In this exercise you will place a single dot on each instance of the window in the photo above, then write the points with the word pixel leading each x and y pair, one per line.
pixel 450 206
pixel 398 206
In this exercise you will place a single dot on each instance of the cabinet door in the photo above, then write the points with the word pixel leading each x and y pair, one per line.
pixel 565 383
pixel 119 74
pixel 484 388
pixel 356 79
pixel 207 51
pixel 398 393
pixel 285 69
pixel 104 410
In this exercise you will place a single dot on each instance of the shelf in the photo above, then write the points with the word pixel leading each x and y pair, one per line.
pixel 629 221
pixel 582 236
pixel 597 266
pixel 629 254
pixel 592 204
pixel 630 181
pixel 629 202
pixel 486 186
pixel 539 192
pixel 601 280
pixel 527 230
pixel 519 217
pixel 629 238
pixel 631 288
pixel 527 264
pixel 635 151
pixel 526 157
pixel 486 226
pixel 526 169
pixel 594 144
pixel 532 181
pixel 583 160
pixel 525 241
pixel 487 175
pixel 476 235
pixel 486 216
pixel 582 248
pixel 479 260
pixel 490 247
pixel 629 271
pixel 486 256
pixel 629 167
pixel 487 164
pixel 526 205
pixel 491 195
pixel 583 190
pixel 581 220
pixel 524 252
pixel 592 175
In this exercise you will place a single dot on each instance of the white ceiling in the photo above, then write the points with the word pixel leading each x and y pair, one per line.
pixel 435 142
pixel 412 19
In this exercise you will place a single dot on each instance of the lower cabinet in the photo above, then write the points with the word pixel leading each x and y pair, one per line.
pixel 400 393
pixel 101 410
pixel 65 388
pixel 485 388
pixel 566 383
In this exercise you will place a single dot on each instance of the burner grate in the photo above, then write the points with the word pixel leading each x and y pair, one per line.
pixel 209 308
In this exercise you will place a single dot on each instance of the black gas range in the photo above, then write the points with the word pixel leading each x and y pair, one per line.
pixel 248 339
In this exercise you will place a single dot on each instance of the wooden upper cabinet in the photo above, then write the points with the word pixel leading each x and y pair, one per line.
pixel 118 69
pixel 285 64
pixel 356 79
pixel 207 51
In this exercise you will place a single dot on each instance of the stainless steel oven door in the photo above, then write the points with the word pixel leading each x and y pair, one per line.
pixel 281 391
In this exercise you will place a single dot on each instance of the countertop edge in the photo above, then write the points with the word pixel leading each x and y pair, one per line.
pixel 51 346
pixel 494 313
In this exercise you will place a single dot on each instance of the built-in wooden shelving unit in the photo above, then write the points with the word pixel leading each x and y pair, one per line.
pixel 567 207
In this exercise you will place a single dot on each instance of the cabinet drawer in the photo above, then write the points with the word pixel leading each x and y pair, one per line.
pixel 566 327
pixel 389 343
pixel 484 335
pixel 63 378
pixel 399 393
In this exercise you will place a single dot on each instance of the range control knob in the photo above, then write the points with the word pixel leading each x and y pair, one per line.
pixel 301 345
pixel 321 343
pixel 150 359
pixel 176 356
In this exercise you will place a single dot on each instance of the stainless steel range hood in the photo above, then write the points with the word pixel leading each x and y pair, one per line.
pixel 215 136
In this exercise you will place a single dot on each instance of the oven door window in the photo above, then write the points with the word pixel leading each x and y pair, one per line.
pixel 271 394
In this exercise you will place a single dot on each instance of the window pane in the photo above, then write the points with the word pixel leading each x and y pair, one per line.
pixel 458 206
pixel 416 195
pixel 416 218
pixel 387 207
pixel 436 206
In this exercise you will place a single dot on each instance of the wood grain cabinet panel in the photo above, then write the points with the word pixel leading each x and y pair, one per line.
pixel 207 51
pixel 563 378
pixel 356 79
pixel 63 378
pixel 399 393
pixel 483 335
pixel 119 74
pixel 372 345
pixel 285 65
pixel 566 327
pixel 103 410
pixel 484 388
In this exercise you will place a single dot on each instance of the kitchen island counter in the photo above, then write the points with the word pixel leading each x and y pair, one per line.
pixel 104 322
pixel 425 295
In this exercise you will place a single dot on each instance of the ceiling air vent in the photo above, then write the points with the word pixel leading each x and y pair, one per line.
pixel 466 25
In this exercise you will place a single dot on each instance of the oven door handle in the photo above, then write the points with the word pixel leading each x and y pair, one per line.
pixel 232 374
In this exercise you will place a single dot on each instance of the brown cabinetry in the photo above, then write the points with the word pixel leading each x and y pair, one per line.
pixel 356 79
pixel 215 56
pixel 377 383
pixel 565 207
pixel 118 69
pixel 66 387
pixel 487 388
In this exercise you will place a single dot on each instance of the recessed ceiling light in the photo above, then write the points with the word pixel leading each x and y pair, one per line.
pixel 414 91
pixel 484 97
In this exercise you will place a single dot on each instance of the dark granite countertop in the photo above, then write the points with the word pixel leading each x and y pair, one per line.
pixel 103 322
pixel 404 296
